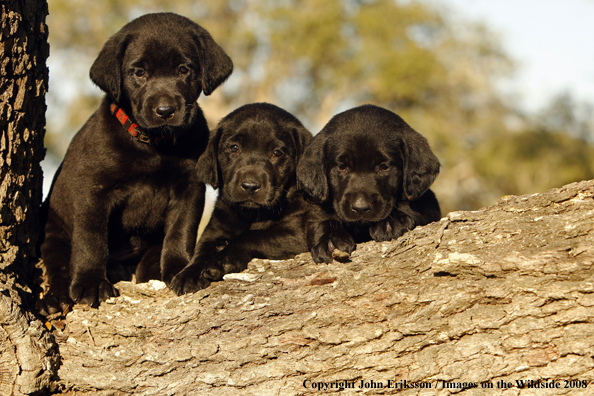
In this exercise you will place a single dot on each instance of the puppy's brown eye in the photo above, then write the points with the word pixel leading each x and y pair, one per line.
pixel 342 167
pixel 234 148
pixel 277 153
pixel 183 70
pixel 384 167
pixel 139 72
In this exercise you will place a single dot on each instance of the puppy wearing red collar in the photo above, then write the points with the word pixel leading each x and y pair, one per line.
pixel 126 196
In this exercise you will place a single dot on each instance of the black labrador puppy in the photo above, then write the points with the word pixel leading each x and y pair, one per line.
pixel 371 172
pixel 127 191
pixel 251 158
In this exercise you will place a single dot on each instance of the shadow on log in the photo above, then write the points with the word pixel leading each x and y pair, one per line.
pixel 479 300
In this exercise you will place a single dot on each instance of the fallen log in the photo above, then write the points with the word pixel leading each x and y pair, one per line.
pixel 498 300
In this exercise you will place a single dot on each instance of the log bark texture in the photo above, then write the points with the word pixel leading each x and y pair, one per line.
pixel 479 299
pixel 28 354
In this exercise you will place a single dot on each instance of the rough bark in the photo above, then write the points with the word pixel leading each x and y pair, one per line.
pixel 481 298
pixel 28 354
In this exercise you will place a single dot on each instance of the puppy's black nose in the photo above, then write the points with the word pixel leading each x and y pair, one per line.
pixel 361 205
pixel 165 112
pixel 250 186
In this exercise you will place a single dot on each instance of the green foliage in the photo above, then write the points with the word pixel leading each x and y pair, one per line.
pixel 317 57
pixel 551 150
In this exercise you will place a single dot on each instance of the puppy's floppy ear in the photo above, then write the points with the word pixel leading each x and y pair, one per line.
pixel 301 137
pixel 215 64
pixel 311 170
pixel 106 71
pixel 207 167
pixel 421 166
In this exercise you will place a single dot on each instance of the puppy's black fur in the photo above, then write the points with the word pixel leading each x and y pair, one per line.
pixel 371 171
pixel 117 201
pixel 251 158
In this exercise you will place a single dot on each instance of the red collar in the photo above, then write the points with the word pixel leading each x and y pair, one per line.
pixel 134 129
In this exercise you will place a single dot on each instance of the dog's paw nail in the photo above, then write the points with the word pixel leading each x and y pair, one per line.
pixel 213 274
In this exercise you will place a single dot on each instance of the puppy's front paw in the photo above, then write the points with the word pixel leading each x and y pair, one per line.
pixel 234 262
pixel 189 280
pixel 92 291
pixel 54 301
pixel 341 240
pixel 390 228
pixel 172 266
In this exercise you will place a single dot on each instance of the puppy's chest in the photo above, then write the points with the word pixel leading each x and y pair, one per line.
pixel 262 225
pixel 142 205
pixel 287 216
pixel 142 200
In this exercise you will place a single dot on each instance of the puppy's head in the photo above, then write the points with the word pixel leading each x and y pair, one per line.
pixel 156 66
pixel 364 161
pixel 252 155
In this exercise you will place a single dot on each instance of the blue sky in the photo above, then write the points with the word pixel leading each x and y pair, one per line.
pixel 551 40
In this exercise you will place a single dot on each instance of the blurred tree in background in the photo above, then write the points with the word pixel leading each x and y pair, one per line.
pixel 552 148
pixel 318 57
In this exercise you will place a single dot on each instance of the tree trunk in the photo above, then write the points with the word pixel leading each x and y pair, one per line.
pixel 482 300
pixel 27 351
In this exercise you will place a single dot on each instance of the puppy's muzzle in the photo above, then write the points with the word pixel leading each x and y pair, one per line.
pixel 165 112
pixel 361 205
pixel 250 186
pixel 252 183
